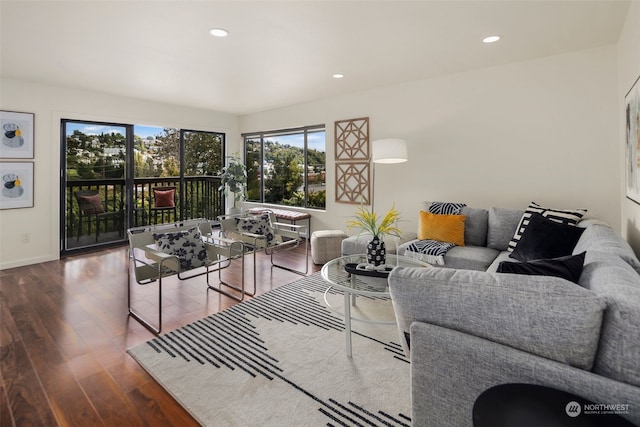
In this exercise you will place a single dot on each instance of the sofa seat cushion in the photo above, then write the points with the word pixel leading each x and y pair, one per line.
pixel 547 316
pixel 610 277
pixel 470 257
pixel 464 257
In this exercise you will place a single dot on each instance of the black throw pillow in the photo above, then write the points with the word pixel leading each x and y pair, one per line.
pixel 566 267
pixel 544 238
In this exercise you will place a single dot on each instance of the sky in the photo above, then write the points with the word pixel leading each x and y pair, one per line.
pixel 315 140
pixel 95 129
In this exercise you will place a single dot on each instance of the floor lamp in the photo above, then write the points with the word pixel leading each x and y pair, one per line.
pixel 386 151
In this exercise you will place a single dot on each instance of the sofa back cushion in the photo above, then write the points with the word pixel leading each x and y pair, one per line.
pixel 476 226
pixel 610 277
pixel 547 316
pixel 602 238
pixel 502 225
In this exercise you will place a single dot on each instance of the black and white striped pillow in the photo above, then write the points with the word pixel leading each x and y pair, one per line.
pixel 563 216
pixel 446 208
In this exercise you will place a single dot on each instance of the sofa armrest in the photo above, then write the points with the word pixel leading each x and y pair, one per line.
pixel 450 369
pixel 547 316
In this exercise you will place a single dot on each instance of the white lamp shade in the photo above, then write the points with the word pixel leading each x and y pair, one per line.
pixel 389 151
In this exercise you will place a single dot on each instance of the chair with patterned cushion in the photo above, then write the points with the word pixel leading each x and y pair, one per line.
pixel 92 210
pixel 164 202
pixel 263 232
pixel 185 249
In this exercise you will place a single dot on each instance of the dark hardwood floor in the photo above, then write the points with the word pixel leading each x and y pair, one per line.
pixel 64 331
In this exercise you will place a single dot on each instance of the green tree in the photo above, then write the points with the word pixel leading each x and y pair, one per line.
pixel 170 168
pixel 286 176
pixel 254 169
pixel 202 151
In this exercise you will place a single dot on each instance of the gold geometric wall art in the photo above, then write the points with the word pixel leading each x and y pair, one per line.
pixel 352 182
pixel 352 139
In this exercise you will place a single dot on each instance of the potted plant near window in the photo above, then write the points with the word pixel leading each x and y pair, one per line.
pixel 368 222
pixel 234 180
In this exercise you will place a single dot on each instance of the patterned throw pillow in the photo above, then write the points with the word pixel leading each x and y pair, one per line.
pixel 443 228
pixel 187 245
pixel 563 216
pixel 446 208
pixel 258 224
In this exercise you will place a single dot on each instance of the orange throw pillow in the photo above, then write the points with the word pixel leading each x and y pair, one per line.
pixel 443 228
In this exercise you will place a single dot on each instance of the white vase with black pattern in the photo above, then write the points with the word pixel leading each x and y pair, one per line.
pixel 376 252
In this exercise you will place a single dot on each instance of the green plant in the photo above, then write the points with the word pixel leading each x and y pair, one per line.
pixel 368 221
pixel 234 178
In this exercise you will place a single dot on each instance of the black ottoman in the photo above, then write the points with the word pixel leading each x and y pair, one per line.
pixel 528 405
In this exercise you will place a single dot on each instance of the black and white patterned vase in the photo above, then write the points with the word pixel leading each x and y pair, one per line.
pixel 376 252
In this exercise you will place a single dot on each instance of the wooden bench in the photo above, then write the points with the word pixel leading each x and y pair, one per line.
pixel 283 214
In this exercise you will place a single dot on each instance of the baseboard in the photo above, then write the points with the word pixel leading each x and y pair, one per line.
pixel 26 261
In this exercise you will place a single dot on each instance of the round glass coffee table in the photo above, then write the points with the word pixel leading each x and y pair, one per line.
pixel 361 282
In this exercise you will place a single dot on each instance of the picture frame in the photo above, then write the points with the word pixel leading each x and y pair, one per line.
pixel 16 189
pixel 352 139
pixel 632 141
pixel 352 183
pixel 17 135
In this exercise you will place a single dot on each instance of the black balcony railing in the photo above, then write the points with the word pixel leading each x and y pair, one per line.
pixel 196 197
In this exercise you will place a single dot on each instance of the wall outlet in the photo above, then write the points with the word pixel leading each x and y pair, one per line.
pixel 26 237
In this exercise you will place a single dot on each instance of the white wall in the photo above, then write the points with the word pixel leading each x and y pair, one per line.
pixel 544 130
pixel 629 70
pixel 50 104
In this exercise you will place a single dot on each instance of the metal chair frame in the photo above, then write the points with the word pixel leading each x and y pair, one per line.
pixel 286 237
pixel 155 265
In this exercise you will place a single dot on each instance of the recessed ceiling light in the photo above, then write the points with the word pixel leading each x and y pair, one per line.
pixel 219 32
pixel 338 76
pixel 491 39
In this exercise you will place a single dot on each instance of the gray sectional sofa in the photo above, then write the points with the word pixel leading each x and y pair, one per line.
pixel 468 328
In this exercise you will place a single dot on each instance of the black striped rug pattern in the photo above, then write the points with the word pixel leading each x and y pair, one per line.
pixel 229 340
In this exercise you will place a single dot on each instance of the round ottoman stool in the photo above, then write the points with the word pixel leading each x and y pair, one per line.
pixel 326 245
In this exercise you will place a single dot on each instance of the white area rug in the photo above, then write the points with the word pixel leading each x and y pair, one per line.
pixel 280 360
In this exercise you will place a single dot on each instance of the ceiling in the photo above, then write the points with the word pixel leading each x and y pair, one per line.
pixel 281 53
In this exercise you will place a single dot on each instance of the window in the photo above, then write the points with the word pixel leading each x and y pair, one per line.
pixel 121 165
pixel 287 167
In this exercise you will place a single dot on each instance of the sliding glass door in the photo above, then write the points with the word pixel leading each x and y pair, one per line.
pixel 93 184
pixel 116 176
